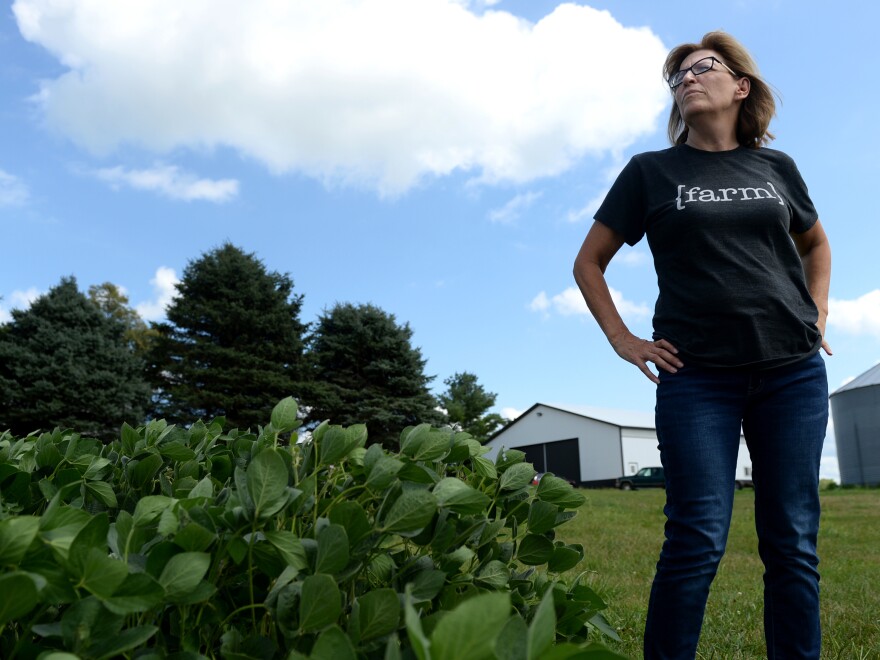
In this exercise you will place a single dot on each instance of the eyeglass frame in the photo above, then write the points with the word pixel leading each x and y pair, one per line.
pixel 684 72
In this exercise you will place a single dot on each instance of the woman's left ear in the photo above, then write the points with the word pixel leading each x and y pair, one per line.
pixel 744 85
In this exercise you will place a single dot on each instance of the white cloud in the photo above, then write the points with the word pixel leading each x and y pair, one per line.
pixel 511 413
pixel 13 191
pixel 588 210
pixel 170 181
pixel 859 317
pixel 512 209
pixel 19 299
pixel 378 93
pixel 632 258
pixel 164 288
pixel 570 302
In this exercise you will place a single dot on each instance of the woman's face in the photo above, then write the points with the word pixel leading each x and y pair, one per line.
pixel 716 93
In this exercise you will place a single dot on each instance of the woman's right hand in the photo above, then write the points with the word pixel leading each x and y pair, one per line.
pixel 641 351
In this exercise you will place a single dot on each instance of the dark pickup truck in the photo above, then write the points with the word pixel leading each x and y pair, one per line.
pixel 652 477
pixel 649 477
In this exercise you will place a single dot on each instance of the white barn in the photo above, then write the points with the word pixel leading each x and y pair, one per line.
pixel 590 446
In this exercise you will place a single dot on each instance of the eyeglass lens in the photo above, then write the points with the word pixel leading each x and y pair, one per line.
pixel 698 67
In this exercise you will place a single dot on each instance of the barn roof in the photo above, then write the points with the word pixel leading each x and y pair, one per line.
pixel 623 418
pixel 870 377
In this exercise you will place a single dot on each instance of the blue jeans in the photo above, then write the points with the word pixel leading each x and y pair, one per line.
pixel 783 414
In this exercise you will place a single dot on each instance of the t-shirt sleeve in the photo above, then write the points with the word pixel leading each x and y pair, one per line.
pixel 623 209
pixel 803 213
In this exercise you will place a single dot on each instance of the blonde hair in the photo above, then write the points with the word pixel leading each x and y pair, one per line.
pixel 757 109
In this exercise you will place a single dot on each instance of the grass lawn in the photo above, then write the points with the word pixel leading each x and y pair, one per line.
pixel 622 533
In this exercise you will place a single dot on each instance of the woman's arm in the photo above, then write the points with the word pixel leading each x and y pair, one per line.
pixel 815 253
pixel 600 245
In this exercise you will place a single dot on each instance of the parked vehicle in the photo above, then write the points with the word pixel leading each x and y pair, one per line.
pixel 649 477
pixel 653 477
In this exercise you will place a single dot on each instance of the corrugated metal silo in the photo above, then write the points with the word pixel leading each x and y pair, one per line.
pixel 855 409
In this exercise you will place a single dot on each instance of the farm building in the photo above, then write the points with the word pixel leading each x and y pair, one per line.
pixel 590 446
pixel 855 409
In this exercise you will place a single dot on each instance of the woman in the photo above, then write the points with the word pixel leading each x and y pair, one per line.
pixel 743 267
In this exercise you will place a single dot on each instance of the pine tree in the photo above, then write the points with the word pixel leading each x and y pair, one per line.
pixel 233 343
pixel 365 370
pixel 65 363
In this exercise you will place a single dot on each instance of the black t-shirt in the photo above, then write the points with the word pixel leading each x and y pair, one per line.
pixel 732 286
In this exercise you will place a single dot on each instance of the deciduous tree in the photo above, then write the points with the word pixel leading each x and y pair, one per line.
pixel 467 403
pixel 114 304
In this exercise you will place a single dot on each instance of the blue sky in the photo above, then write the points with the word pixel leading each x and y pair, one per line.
pixel 438 158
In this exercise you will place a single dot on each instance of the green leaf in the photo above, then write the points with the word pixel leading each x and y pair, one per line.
pixel 517 476
pixel 559 491
pixel 332 549
pixel 508 457
pixel 177 452
pixel 96 467
pixel 144 471
pixel 336 444
pixel 289 547
pixel 182 573
pixel 139 592
pixel 374 453
pixel 100 574
pixel 351 515
pixel 421 646
pixel 126 640
pixel 483 467
pixel 542 629
pixel 494 574
pixel 542 516
pixel 60 525
pixel 565 557
pixel 426 584
pixel 410 513
pixel 535 550
pixel 412 438
pixel 16 536
pixel 383 472
pixel 333 644
pixel 267 483
pixel 320 603
pixel 601 623
pixel 20 596
pixel 469 631
pixel 435 445
pixel 205 488
pixel 149 508
pixel 103 492
pixel 379 613
pixel 92 536
pixel 512 643
pixel 194 538
pixel 453 493
pixel 284 416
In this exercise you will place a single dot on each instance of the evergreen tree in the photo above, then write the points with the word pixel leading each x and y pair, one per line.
pixel 64 363
pixel 365 370
pixel 466 403
pixel 233 342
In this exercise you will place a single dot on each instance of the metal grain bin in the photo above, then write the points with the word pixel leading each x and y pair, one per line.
pixel 855 409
